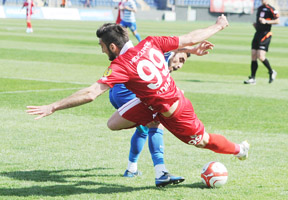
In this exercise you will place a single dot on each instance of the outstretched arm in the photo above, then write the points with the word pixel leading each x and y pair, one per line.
pixel 199 50
pixel 266 21
pixel 81 97
pixel 199 35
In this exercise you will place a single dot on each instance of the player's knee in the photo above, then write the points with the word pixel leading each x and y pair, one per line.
pixel 261 58
pixel 155 124
pixel 112 126
pixel 204 141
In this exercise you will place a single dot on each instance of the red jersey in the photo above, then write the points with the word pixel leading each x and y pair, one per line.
pixel 29 5
pixel 144 71
pixel 119 17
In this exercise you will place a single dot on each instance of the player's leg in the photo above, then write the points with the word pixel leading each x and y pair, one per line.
pixel 254 64
pixel 132 111
pixel 261 55
pixel 135 110
pixel 131 114
pixel 117 122
pixel 220 144
pixel 133 28
pixel 29 25
pixel 188 128
pixel 136 145
pixel 156 147
pixel 136 34
pixel 119 95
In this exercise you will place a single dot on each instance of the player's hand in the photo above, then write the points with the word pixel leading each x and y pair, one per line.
pixel 203 47
pixel 42 111
pixel 222 21
pixel 262 20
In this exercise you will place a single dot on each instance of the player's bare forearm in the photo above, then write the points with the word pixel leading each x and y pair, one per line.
pixel 81 97
pixel 199 50
pixel 264 21
pixel 199 35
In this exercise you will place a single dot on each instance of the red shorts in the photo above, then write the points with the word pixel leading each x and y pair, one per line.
pixel 184 123
pixel 135 111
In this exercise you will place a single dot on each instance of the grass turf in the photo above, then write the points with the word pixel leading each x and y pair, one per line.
pixel 73 155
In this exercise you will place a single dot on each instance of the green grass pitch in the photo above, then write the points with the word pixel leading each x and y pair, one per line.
pixel 73 155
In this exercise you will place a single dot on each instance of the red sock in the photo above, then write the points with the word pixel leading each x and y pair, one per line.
pixel 220 144
pixel 29 25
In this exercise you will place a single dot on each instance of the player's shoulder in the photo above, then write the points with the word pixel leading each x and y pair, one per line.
pixel 270 7
pixel 273 11
pixel 124 59
pixel 154 38
pixel 131 2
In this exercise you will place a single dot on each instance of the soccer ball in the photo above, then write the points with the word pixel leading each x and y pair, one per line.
pixel 214 174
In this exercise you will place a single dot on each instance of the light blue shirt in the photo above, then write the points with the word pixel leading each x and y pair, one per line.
pixel 129 16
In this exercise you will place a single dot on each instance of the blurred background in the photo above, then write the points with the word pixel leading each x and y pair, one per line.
pixel 168 10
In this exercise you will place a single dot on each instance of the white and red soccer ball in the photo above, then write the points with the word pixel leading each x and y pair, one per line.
pixel 214 174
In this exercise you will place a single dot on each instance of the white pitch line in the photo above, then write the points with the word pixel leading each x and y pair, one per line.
pixel 45 80
pixel 30 91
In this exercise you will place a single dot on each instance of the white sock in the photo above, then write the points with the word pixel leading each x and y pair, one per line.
pixel 132 167
pixel 159 170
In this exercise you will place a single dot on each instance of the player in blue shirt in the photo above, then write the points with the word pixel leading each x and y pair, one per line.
pixel 128 19
pixel 120 95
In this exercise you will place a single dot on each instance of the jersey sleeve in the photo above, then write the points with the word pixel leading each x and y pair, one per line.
pixel 133 5
pixel 275 14
pixel 114 74
pixel 166 43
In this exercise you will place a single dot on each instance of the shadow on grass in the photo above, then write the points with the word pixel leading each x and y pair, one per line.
pixel 197 185
pixel 58 176
pixel 64 187
pixel 205 81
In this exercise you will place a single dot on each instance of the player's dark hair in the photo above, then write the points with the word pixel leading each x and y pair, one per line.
pixel 113 33
pixel 188 55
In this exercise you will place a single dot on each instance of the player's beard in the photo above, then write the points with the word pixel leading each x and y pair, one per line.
pixel 111 55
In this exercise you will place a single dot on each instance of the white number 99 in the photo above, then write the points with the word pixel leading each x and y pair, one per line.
pixel 152 66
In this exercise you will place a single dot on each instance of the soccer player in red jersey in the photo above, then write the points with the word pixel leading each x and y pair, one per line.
pixel 119 95
pixel 29 4
pixel 144 71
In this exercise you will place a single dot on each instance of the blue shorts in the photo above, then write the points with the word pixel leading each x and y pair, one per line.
pixel 131 25
pixel 119 95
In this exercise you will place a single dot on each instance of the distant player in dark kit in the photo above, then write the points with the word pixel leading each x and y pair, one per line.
pixel 266 16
